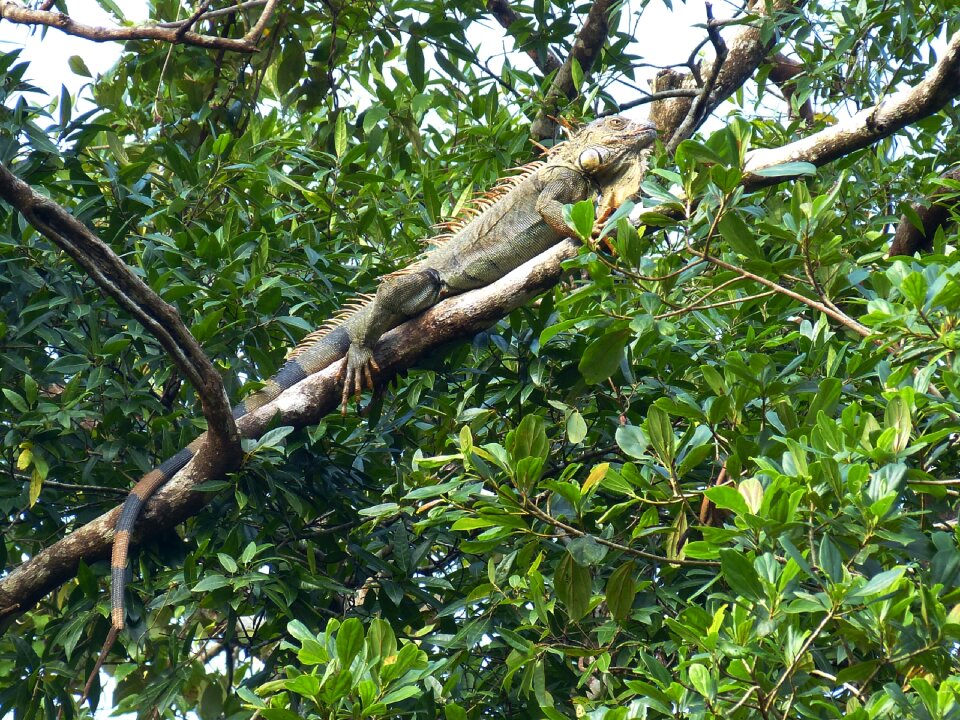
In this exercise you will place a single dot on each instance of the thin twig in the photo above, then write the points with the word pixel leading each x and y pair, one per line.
pixel 698 107
pixel 209 15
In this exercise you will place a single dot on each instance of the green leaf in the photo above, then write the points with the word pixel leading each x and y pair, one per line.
pixel 576 73
pixel 16 400
pixel 660 432
pixel 580 218
pixel 914 288
pixel 382 510
pixel 740 237
pixel 789 169
pixel 621 590
pixel 340 135
pixel 728 498
pixel 633 441
pixel 78 66
pixel 349 641
pixel 292 64
pixel 415 63
pixel 879 583
pixel 211 582
pixel 740 575
pixel 829 559
pixel 587 551
pixel 702 681
pixel 572 583
pixel 602 356
pixel 576 428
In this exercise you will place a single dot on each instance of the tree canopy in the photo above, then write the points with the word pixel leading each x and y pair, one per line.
pixel 703 466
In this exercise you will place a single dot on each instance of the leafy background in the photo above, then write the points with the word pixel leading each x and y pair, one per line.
pixel 655 492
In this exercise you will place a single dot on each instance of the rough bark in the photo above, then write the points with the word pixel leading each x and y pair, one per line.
pixel 935 214
pixel 16 13
pixel 585 50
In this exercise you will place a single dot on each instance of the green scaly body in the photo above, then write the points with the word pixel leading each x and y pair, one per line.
pixel 518 220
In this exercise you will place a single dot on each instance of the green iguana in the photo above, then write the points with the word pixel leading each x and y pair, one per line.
pixel 517 220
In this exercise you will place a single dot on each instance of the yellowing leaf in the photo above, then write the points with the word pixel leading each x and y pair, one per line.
pixel 597 474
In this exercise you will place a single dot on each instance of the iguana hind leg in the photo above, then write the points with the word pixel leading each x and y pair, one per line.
pixel 398 298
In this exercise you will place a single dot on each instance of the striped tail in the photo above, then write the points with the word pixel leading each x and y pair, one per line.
pixel 320 353
pixel 316 352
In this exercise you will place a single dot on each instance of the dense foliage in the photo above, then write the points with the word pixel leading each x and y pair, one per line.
pixel 662 490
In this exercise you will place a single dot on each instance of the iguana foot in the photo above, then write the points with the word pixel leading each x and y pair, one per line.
pixel 357 373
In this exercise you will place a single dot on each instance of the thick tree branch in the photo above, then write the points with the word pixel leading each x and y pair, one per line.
pixel 544 58
pixel 585 50
pixel 745 52
pixel 936 214
pixel 117 280
pixel 304 404
pixel 17 13
pixel 868 126
pixel 782 74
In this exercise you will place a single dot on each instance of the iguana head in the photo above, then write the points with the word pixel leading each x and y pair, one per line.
pixel 613 151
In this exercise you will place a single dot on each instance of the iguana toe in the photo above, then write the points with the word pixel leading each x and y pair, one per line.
pixel 357 374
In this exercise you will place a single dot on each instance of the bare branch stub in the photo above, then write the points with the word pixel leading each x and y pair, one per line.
pixel 936 213
pixel 16 13
pixel 783 72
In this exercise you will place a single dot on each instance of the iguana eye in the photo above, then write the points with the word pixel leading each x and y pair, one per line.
pixel 618 122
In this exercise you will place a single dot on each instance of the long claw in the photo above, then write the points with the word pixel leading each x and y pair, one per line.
pixel 357 374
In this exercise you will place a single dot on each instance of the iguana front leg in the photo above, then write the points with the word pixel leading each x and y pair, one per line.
pixel 557 193
pixel 398 298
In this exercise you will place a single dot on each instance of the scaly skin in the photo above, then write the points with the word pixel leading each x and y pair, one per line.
pixel 523 219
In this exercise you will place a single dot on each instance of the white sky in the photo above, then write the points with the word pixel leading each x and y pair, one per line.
pixel 667 37
pixel 664 37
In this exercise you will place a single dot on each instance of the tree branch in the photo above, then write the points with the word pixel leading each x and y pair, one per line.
pixel 210 14
pixel 304 404
pixel 745 53
pixel 117 280
pixel 17 13
pixel 868 126
pixel 698 107
pixel 585 50
pixel 909 238
pixel 508 17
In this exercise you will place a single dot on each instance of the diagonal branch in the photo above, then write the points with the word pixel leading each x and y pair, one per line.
pixel 304 404
pixel 543 57
pixel 868 126
pixel 746 51
pixel 116 279
pixel 585 50
pixel 17 13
